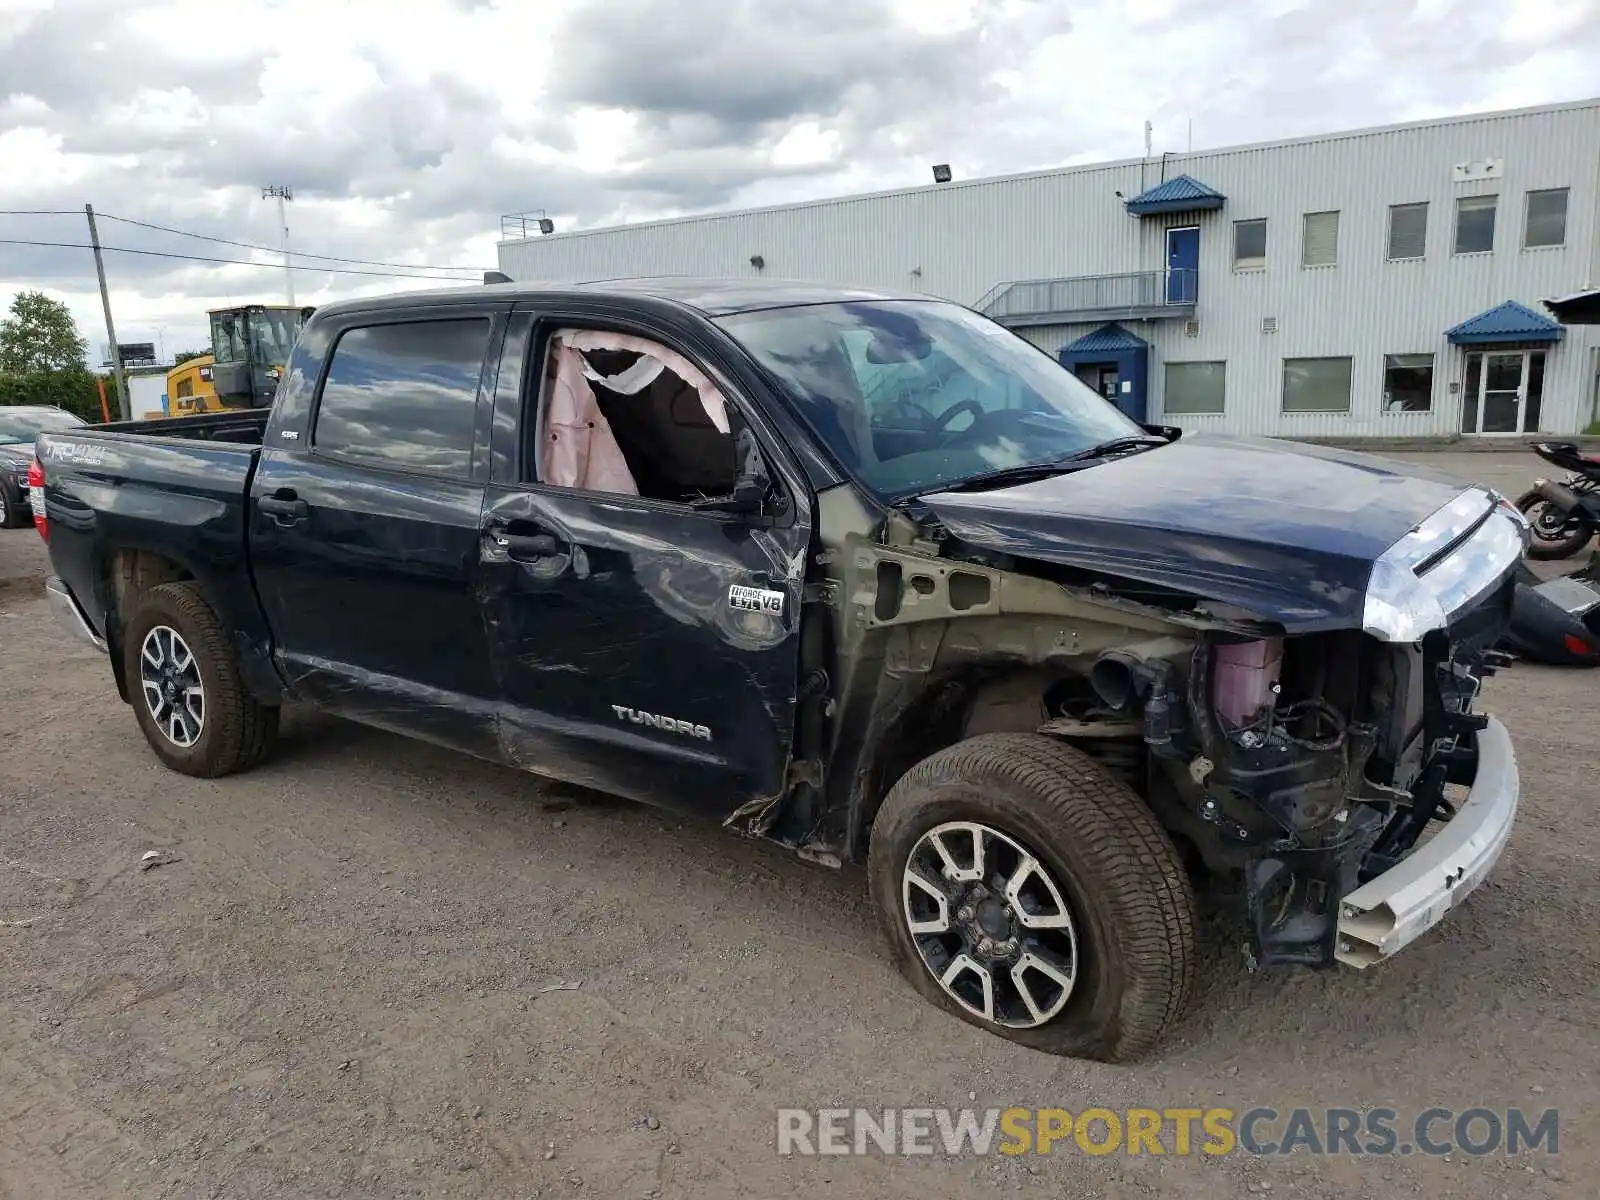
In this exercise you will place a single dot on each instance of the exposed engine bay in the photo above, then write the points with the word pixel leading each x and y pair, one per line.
pixel 1306 765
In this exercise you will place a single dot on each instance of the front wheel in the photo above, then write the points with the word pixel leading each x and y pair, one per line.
pixel 1031 893
pixel 186 692
pixel 1555 534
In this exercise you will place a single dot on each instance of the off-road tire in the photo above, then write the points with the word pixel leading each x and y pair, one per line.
pixel 239 731
pixel 1553 548
pixel 1121 875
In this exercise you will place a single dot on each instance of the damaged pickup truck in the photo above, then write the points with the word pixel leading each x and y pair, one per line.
pixel 865 575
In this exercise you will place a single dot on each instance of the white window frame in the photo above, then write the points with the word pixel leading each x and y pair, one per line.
pixel 1190 362
pixel 1494 234
pixel 1305 240
pixel 1283 386
pixel 1388 236
pixel 1527 211
pixel 1433 383
pixel 1250 264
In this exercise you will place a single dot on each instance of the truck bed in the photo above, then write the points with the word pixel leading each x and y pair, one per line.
pixel 242 426
pixel 176 487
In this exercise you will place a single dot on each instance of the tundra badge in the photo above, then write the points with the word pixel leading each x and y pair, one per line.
pixel 752 599
pixel 669 724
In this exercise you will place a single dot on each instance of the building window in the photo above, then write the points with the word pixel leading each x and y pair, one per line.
pixel 1194 387
pixel 1546 221
pixel 1249 245
pixel 1475 224
pixel 1408 231
pixel 1316 385
pixel 1407 382
pixel 1320 246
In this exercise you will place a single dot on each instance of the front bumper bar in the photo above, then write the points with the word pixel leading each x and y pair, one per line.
pixel 1386 914
pixel 70 615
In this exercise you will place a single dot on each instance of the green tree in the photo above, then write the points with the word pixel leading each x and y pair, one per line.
pixel 40 335
pixel 183 356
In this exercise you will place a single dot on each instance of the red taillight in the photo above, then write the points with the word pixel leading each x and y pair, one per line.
pixel 1576 645
pixel 36 498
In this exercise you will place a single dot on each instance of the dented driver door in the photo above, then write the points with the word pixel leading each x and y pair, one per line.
pixel 643 648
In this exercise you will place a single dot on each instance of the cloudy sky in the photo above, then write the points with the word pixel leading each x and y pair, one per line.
pixel 407 127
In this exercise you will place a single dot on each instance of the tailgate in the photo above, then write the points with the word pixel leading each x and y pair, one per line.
pixel 183 499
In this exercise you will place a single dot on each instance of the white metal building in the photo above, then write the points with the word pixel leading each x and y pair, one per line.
pixel 1382 282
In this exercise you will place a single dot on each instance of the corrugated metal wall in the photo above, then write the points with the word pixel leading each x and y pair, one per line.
pixel 960 240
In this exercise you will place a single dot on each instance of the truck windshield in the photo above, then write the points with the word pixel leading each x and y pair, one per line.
pixel 24 425
pixel 273 333
pixel 914 395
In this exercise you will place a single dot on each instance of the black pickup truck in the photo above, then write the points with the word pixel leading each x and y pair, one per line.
pixel 864 574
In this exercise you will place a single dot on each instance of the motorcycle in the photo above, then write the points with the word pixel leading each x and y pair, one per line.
pixel 1564 515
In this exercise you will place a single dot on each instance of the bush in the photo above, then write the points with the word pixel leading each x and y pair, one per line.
pixel 73 390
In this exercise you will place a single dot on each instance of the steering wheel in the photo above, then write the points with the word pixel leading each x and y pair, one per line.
pixel 942 421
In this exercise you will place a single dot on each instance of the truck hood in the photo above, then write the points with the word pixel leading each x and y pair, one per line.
pixel 1285 531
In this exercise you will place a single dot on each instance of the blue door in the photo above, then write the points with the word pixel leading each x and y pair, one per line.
pixel 1183 265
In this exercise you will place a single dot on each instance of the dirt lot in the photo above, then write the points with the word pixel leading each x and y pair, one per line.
pixel 342 984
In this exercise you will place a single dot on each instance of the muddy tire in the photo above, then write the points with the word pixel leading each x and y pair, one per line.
pixel 183 682
pixel 1050 876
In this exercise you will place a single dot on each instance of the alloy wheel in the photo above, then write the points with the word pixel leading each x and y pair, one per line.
pixel 990 923
pixel 169 677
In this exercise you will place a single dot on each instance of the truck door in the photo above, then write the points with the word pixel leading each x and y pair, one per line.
pixel 364 522
pixel 646 646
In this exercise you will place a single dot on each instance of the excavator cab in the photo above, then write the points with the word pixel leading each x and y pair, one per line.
pixel 251 347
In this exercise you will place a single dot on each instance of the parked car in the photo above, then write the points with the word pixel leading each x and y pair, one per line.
pixel 1037 666
pixel 19 426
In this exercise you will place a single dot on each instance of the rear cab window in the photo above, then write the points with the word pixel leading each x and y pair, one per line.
pixel 404 395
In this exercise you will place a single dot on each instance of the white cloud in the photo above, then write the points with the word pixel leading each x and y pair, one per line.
pixel 408 130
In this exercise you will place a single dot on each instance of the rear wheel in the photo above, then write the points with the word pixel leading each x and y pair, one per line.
pixel 1555 534
pixel 186 692
pixel 1028 891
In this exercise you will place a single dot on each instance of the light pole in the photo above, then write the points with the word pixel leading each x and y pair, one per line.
pixel 282 192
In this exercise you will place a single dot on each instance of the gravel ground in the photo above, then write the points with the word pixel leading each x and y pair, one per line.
pixel 355 977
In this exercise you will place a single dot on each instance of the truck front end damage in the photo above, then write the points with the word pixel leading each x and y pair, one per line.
pixel 1315 764
pixel 1309 763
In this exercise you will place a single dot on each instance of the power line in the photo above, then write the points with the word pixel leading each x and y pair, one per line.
pixel 40 212
pixel 235 262
pixel 204 237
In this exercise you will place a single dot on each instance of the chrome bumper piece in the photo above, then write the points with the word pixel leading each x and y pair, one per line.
pixel 1386 914
pixel 70 616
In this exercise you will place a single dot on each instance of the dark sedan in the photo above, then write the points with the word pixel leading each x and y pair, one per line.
pixel 19 426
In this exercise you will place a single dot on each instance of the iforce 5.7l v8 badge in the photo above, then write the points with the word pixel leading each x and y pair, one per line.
pixel 753 599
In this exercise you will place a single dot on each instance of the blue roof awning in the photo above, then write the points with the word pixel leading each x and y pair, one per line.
pixel 1181 194
pixel 1508 322
pixel 1108 339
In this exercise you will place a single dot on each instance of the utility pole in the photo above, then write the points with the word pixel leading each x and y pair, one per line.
pixel 111 330
pixel 282 192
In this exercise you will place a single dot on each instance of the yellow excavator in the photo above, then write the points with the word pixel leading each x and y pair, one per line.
pixel 250 348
